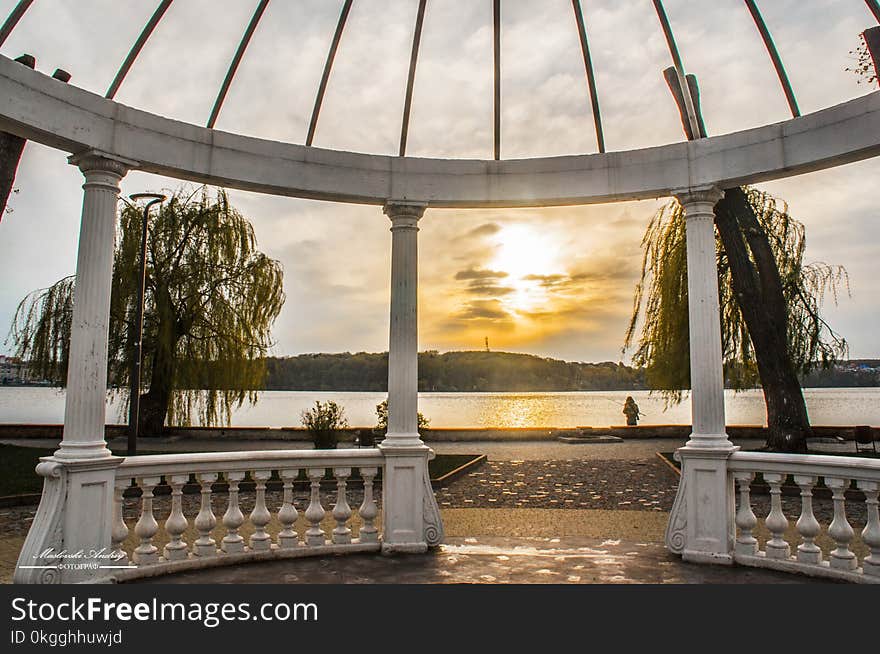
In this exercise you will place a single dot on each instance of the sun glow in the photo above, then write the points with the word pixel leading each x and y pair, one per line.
pixel 526 255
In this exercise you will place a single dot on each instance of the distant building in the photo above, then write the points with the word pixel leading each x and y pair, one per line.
pixel 13 371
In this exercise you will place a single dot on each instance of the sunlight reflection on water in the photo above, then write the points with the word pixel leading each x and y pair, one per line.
pixel 827 406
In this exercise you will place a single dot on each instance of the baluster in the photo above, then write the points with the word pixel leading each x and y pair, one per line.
pixel 205 521
pixel 119 532
pixel 260 541
pixel 341 511
pixel 287 514
pixel 807 525
pixel 776 522
pixel 368 510
pixel 746 520
pixel 871 532
pixel 315 512
pixel 146 526
pixel 840 530
pixel 233 519
pixel 176 524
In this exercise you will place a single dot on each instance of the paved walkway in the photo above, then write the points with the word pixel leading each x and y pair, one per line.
pixel 569 560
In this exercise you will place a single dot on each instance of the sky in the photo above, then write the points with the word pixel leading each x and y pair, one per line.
pixel 554 282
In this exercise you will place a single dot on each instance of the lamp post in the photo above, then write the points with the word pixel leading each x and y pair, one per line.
pixel 134 405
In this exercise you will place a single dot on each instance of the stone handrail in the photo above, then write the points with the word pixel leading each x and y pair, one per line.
pixel 839 474
pixel 165 464
pixel 855 468
pixel 291 467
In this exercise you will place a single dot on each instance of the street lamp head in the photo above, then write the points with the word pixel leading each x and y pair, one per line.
pixel 155 197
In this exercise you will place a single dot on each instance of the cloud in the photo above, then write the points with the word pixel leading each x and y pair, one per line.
pixel 484 310
pixel 474 273
pixel 550 281
pixel 487 229
pixel 488 289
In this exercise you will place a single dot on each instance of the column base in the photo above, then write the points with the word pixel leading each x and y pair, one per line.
pixel 390 549
pixel 701 524
pixel 411 518
pixel 403 442
pixel 75 451
pixel 709 441
pixel 73 522
pixel 707 557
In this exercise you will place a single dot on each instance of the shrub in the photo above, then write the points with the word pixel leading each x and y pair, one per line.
pixel 382 419
pixel 323 422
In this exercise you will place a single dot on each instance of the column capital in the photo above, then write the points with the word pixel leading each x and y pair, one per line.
pixel 708 194
pixel 404 211
pixel 101 162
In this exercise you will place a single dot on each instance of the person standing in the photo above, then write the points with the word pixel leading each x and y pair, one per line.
pixel 631 411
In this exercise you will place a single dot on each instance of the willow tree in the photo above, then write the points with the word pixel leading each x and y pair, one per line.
pixel 772 329
pixel 211 299
pixel 867 58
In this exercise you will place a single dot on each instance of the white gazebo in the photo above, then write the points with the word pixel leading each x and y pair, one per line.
pixel 81 506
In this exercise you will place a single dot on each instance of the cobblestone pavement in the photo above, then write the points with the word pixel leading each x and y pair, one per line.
pixel 496 561
pixel 647 485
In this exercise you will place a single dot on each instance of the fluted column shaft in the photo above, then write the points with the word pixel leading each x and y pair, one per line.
pixel 702 522
pixel 403 363
pixel 707 374
pixel 410 516
pixel 87 370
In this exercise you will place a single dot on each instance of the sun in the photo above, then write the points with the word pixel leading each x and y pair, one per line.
pixel 525 253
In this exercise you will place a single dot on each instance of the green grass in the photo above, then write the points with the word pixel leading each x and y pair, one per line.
pixel 17 469
pixel 17 465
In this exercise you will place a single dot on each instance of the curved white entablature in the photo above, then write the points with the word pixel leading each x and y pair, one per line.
pixel 45 110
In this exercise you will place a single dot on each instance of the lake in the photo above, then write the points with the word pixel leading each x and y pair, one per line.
pixel 827 406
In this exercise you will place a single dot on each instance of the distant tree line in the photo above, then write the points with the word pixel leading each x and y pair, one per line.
pixel 474 371
pixel 449 372
pixel 859 373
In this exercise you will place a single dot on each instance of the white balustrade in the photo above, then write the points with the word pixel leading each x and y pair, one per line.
pixel 176 524
pixel 315 512
pixel 233 519
pixel 260 516
pixel 287 514
pixel 368 510
pixel 807 525
pixel 871 532
pixel 840 530
pixel 746 520
pixel 176 470
pixel 119 533
pixel 205 522
pixel 776 522
pixel 146 526
pixel 842 478
pixel 341 510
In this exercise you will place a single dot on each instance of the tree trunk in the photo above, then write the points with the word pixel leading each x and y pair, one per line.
pixel 758 291
pixel 155 402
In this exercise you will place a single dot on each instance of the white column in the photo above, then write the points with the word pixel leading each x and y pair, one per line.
pixel 87 370
pixel 76 512
pixel 403 361
pixel 707 374
pixel 411 519
pixel 701 525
